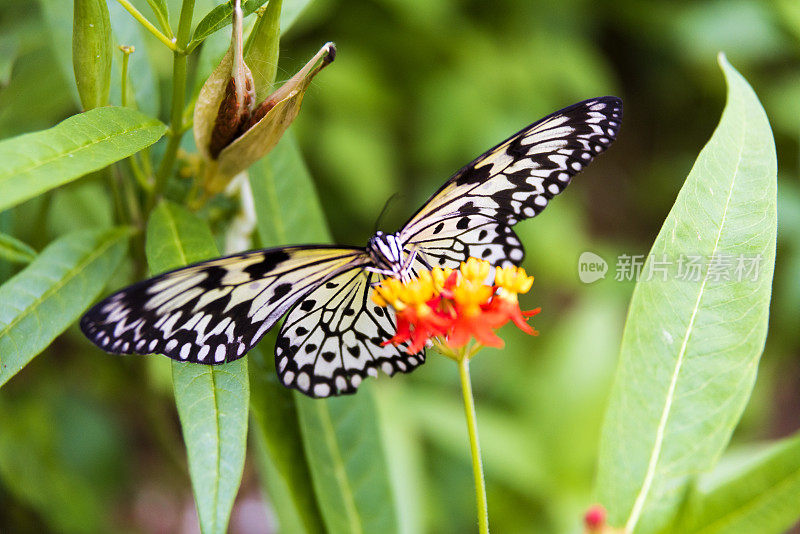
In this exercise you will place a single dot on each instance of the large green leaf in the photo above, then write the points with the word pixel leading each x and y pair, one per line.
pixel 348 462
pixel 281 456
pixel 759 492
pixel 341 436
pixel 287 207
pixel 33 163
pixel 50 294
pixel 691 347
pixel 212 400
pixel 279 446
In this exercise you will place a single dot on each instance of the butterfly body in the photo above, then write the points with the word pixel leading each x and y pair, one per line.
pixel 332 337
pixel 390 257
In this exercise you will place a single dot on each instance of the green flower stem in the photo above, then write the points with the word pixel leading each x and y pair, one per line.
pixel 136 169
pixel 474 445
pixel 150 27
pixel 176 130
pixel 126 54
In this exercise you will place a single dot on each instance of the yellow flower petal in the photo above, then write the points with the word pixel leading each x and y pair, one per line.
pixel 475 270
pixel 513 279
pixel 439 277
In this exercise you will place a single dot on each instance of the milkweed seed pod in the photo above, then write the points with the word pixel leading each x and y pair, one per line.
pixel 231 129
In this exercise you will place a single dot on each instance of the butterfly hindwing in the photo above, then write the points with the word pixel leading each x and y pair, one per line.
pixel 332 339
pixel 214 311
pixel 513 181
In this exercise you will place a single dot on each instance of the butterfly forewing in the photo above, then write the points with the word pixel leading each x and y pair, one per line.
pixel 214 311
pixel 472 213
pixel 449 241
pixel 333 338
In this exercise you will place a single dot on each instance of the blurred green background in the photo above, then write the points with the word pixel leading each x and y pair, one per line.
pixel 90 442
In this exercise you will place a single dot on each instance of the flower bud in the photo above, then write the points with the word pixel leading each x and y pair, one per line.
pixel 92 48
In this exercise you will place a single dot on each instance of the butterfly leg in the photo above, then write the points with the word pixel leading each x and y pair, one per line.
pixel 378 270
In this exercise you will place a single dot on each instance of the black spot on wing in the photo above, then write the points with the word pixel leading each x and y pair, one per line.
pixel 271 260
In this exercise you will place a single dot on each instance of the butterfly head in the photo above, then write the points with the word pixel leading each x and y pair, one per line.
pixel 386 252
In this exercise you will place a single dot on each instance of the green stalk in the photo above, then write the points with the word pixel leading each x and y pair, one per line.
pixel 141 178
pixel 176 130
pixel 126 54
pixel 474 445
pixel 151 28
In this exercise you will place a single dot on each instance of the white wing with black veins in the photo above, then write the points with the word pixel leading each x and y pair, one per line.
pixel 215 311
pixel 472 214
pixel 332 339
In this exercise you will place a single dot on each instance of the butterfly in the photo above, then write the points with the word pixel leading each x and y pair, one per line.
pixel 332 338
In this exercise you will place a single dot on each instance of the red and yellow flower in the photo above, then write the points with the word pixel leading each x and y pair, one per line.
pixel 450 307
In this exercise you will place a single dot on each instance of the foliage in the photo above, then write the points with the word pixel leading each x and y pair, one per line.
pixel 690 348
pixel 91 200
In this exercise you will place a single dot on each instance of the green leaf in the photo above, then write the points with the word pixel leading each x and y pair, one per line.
pixel 348 462
pixel 287 208
pixel 341 436
pixel 14 250
pixel 51 293
pixel 212 399
pixel 280 452
pixel 690 349
pixel 760 493
pixel 33 163
pixel 84 204
pixel 279 446
pixel 161 12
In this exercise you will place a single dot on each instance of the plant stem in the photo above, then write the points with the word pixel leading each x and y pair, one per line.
pixel 126 54
pixel 141 178
pixel 474 445
pixel 150 27
pixel 179 68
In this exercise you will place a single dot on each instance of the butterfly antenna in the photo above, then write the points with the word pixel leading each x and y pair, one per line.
pixel 384 210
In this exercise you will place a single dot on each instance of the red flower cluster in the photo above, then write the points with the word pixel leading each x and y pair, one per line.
pixel 452 306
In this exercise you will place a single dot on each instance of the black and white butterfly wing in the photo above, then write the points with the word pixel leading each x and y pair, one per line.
pixel 332 339
pixel 472 214
pixel 215 311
